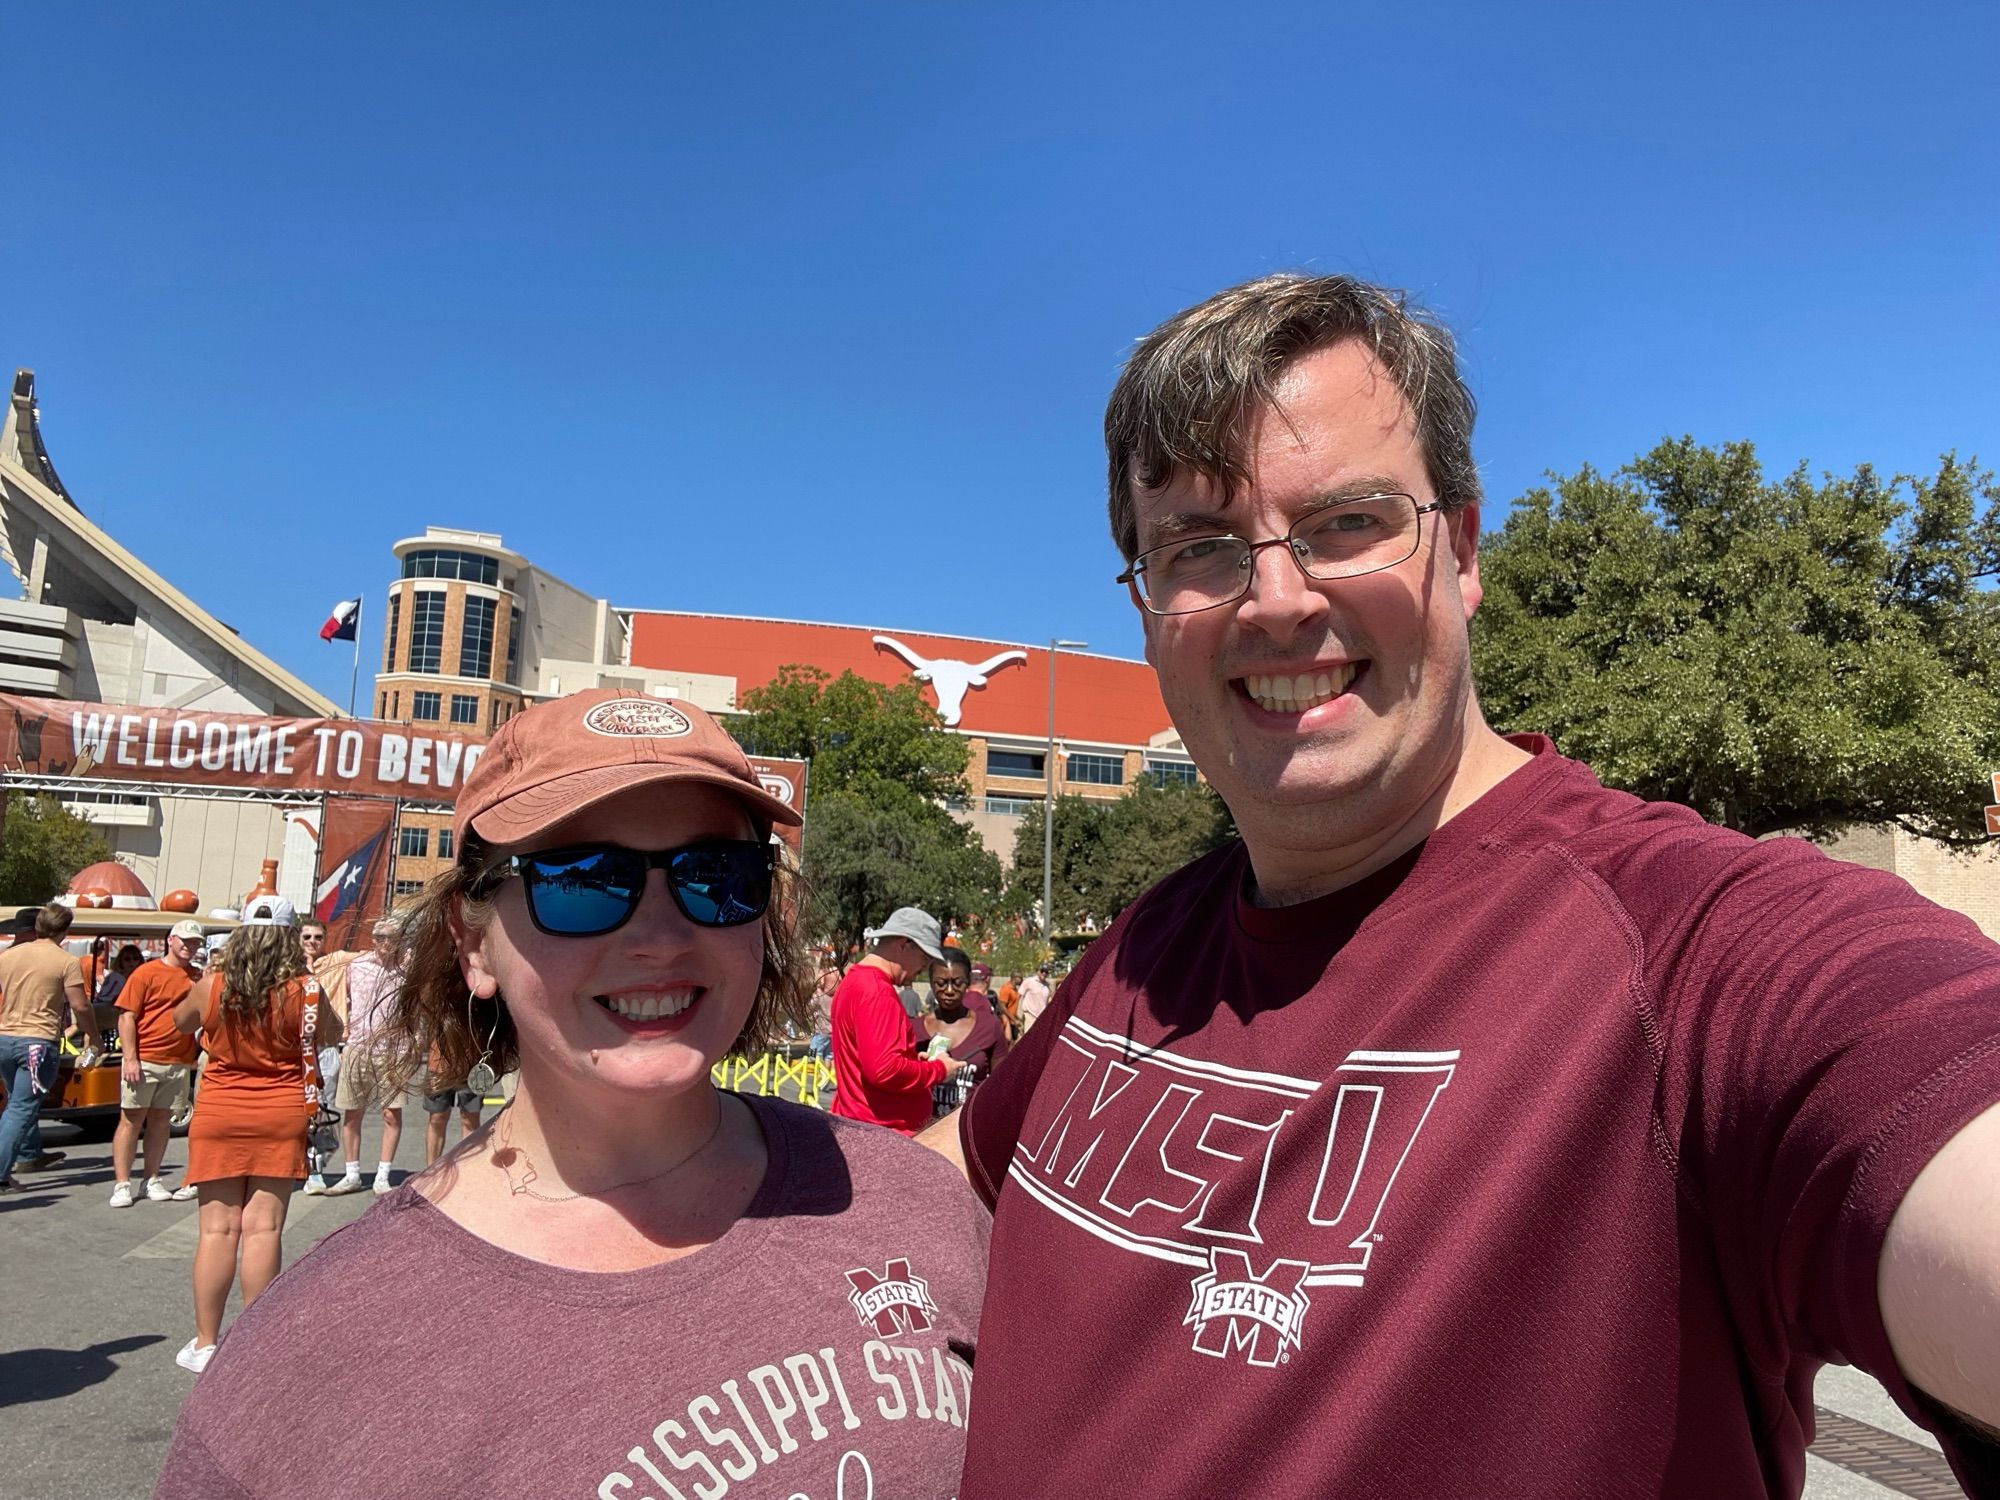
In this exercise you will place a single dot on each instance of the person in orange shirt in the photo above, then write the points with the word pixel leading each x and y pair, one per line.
pixel 262 1019
pixel 157 1062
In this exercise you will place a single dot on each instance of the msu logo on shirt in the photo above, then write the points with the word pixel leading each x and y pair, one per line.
pixel 895 1302
pixel 1172 1157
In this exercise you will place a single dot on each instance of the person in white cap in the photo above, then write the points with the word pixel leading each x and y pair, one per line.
pixel 262 1020
pixel 665 1288
pixel 877 1073
pixel 157 1061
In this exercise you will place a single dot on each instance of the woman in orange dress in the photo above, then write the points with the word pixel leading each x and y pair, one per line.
pixel 262 1020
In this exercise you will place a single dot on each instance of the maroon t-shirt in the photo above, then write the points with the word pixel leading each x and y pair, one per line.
pixel 1552 1160
pixel 822 1347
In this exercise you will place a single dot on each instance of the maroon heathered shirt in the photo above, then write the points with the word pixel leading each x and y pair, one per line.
pixel 1551 1161
pixel 820 1348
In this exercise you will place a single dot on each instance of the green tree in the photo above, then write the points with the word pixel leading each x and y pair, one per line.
pixel 867 855
pixel 877 835
pixel 857 734
pixel 1108 851
pixel 1778 655
pixel 42 845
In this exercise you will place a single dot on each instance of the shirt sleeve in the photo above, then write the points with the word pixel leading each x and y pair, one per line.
pixel 990 1122
pixel 1826 1032
pixel 192 1473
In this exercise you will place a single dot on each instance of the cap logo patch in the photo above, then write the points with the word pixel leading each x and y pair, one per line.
pixel 638 718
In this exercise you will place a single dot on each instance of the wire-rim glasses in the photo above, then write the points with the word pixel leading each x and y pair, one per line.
pixel 1346 539
pixel 587 890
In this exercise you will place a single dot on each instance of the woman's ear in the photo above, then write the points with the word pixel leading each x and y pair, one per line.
pixel 470 944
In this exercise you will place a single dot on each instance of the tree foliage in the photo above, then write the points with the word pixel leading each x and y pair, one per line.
pixel 1108 851
pixel 42 845
pixel 877 836
pixel 1778 655
pixel 857 734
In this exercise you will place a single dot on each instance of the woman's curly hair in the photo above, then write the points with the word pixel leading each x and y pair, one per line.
pixel 437 1027
pixel 255 963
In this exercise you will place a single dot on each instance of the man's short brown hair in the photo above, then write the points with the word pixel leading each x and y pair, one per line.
pixel 1186 397
pixel 53 920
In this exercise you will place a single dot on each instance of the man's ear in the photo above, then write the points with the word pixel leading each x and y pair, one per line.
pixel 1462 525
pixel 470 943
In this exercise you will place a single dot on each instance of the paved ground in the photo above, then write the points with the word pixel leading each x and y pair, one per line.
pixel 97 1300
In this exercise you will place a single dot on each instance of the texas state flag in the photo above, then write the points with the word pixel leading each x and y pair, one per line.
pixel 342 623
pixel 348 882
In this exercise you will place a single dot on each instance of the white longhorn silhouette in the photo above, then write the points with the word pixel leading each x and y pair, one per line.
pixel 949 679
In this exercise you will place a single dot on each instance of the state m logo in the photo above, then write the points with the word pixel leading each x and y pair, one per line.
pixel 893 1303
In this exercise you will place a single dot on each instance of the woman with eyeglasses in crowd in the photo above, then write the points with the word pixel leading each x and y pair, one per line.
pixel 964 1016
pixel 631 1283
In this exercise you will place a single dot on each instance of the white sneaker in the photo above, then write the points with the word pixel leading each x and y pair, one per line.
pixel 121 1195
pixel 185 1193
pixel 315 1186
pixel 158 1192
pixel 195 1356
pixel 384 1187
pixel 351 1183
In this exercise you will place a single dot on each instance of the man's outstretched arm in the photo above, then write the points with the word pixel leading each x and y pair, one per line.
pixel 1939 1281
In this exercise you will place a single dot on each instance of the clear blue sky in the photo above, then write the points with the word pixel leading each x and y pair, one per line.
pixel 811 310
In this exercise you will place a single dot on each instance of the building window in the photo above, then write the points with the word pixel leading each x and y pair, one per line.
pixel 408 887
pixel 414 842
pixel 427 635
pixel 395 618
pixel 1170 772
pixel 444 843
pixel 1009 807
pixel 464 708
pixel 445 562
pixel 425 705
pixel 1096 770
pixel 514 646
pixel 381 705
pixel 395 705
pixel 1017 763
pixel 475 641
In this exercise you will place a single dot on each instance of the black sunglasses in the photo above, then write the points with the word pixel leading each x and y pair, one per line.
pixel 587 890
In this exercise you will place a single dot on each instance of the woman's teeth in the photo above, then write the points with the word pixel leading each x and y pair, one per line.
pixel 650 1006
pixel 1294 695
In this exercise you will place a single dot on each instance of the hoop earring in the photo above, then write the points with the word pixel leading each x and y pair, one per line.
pixel 481 1077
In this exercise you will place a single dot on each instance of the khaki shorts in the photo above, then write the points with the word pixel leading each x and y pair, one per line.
pixel 360 1085
pixel 159 1087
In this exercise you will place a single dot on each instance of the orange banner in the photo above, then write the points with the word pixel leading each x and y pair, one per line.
pixel 106 742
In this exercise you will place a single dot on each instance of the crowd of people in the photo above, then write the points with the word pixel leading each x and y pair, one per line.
pixel 1463 1128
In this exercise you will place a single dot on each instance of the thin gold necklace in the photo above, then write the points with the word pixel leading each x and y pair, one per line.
pixel 508 1154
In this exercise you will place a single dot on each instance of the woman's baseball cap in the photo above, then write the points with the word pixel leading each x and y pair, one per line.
pixel 559 758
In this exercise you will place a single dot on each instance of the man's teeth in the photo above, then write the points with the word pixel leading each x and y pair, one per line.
pixel 649 1007
pixel 1294 695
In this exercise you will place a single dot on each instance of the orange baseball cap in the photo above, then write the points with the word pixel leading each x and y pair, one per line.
pixel 556 759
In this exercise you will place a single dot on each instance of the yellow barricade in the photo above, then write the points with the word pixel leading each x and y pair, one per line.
pixel 807 1079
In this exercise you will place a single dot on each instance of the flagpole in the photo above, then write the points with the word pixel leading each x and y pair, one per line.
pixel 354 678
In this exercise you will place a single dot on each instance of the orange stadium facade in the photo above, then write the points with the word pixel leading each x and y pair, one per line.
pixel 473 632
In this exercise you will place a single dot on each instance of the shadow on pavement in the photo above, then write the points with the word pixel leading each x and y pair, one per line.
pixel 50 1374
pixel 27 1198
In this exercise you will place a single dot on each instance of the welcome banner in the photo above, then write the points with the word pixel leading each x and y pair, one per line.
pixel 183 747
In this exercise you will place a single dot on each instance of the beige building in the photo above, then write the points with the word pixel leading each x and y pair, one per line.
pixel 95 623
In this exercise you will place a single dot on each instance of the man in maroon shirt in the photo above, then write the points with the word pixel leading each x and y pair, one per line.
pixel 878 1075
pixel 1468 1128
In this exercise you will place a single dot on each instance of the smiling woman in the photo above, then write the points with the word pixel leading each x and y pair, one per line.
pixel 658 1277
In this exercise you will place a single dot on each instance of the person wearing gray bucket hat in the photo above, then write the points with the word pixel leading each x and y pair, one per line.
pixel 878 1075
pixel 617 920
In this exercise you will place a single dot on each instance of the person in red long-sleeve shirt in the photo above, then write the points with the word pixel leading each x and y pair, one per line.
pixel 878 1075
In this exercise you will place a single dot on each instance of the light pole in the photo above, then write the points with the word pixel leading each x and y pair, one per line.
pixel 1049 807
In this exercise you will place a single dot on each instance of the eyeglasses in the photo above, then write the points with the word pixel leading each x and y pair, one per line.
pixel 1342 540
pixel 591 889
pixel 948 984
